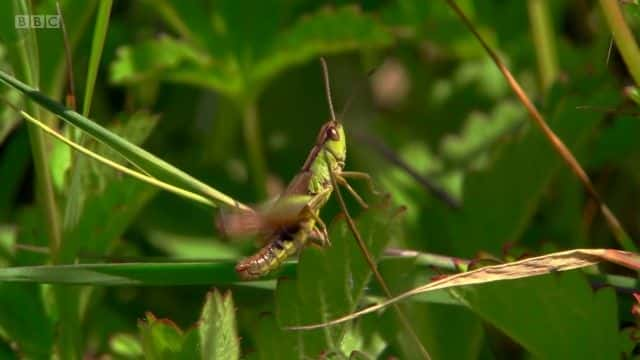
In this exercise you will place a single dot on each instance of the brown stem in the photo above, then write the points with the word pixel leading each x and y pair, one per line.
pixel 374 268
pixel 618 231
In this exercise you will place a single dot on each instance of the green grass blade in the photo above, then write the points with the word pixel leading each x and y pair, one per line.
pixel 132 274
pixel 75 190
pixel 29 66
pixel 155 166
pixel 100 33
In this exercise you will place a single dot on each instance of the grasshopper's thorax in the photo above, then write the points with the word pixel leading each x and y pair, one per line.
pixel 328 155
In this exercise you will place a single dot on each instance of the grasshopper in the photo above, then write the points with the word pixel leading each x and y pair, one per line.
pixel 287 224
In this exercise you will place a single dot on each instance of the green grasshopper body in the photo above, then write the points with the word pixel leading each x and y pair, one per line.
pixel 294 217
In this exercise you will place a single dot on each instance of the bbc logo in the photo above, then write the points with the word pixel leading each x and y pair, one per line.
pixel 37 21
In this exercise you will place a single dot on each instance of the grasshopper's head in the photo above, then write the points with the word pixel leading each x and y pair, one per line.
pixel 332 139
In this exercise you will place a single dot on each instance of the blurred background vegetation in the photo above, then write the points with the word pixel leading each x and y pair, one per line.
pixel 231 92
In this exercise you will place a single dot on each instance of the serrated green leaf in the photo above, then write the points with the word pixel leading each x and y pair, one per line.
pixel 162 339
pixel 244 55
pixel 214 336
pixel 481 131
pixel 326 32
pixel 217 328
pixel 135 63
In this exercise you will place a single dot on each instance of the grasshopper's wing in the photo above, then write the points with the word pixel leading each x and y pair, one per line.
pixel 240 223
pixel 279 212
pixel 287 209
pixel 299 185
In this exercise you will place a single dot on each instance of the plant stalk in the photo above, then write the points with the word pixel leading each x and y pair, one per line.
pixel 28 53
pixel 544 42
pixel 623 37
pixel 374 268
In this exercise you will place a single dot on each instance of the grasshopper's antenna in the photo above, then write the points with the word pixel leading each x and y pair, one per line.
pixel 352 96
pixel 327 85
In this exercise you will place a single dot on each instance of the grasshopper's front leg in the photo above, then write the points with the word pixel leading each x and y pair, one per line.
pixel 361 176
pixel 342 181
pixel 320 235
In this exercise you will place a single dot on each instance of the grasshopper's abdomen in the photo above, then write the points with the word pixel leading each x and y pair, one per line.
pixel 282 244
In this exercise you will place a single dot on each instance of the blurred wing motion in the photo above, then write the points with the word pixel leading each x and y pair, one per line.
pixel 280 212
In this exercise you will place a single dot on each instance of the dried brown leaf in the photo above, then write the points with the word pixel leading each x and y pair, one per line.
pixel 535 266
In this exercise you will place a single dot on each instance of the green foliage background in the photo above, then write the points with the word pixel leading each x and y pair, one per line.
pixel 231 92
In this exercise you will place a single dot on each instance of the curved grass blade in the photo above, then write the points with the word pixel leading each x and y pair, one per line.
pixel 135 154
pixel 153 181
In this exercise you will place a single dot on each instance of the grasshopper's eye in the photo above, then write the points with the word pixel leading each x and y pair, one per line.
pixel 332 133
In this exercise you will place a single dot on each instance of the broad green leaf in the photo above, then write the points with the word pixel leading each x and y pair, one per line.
pixel 616 143
pixel 481 131
pixel 331 282
pixel 552 316
pixel 326 32
pixel 407 16
pixel 217 328
pixel 243 55
pixel 364 337
pixel 154 58
pixel 438 325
